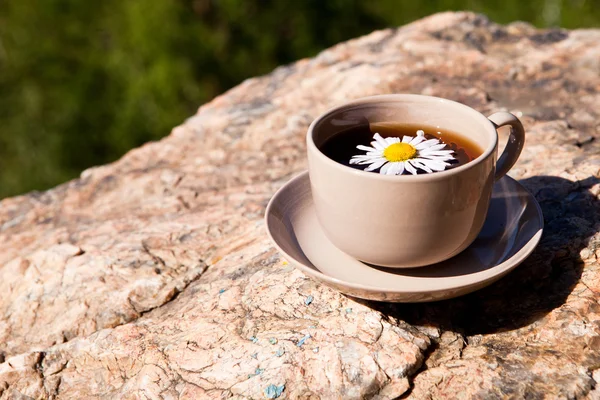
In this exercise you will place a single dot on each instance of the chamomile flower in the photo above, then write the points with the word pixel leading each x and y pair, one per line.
pixel 394 156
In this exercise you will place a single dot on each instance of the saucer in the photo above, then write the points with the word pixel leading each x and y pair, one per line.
pixel 512 229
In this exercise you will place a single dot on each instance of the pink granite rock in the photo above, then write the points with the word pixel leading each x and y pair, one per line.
pixel 153 277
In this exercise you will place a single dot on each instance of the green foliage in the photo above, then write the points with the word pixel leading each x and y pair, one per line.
pixel 83 82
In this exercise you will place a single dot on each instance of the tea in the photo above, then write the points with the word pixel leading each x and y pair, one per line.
pixel 343 146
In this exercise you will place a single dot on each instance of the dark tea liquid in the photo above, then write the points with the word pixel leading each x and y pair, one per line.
pixel 342 146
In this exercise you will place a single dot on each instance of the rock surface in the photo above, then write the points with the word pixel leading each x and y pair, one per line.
pixel 153 277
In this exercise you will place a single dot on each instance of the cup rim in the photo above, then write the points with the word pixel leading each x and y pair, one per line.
pixel 399 98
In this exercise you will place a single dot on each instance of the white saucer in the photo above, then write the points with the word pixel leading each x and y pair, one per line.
pixel 512 230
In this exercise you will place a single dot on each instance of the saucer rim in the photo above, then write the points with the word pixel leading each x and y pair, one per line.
pixel 499 270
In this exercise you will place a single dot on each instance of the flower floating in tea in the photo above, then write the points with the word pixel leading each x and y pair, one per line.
pixel 394 156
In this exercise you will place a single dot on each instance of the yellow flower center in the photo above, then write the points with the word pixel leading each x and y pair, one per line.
pixel 399 152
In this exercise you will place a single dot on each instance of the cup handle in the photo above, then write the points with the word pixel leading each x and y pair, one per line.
pixel 516 140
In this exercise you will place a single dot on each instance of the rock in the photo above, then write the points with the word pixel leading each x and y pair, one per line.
pixel 153 277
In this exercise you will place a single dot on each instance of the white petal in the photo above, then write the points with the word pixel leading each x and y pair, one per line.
pixel 438 158
pixel 365 148
pixel 365 157
pixel 392 140
pixel 368 155
pixel 436 147
pixel 410 168
pixel 393 168
pixel 372 160
pixel 416 140
pixel 380 140
pixel 375 165
pixel 384 170
pixel 399 170
pixel 420 132
pixel 436 152
pixel 377 146
pixel 426 144
pixel 434 165
pixel 363 162
pixel 417 163
pixel 406 139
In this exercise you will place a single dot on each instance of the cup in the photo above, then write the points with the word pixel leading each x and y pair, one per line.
pixel 405 221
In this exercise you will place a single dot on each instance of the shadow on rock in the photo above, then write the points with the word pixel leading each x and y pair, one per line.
pixel 542 283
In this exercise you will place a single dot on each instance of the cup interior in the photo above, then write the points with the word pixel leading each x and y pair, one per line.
pixel 409 109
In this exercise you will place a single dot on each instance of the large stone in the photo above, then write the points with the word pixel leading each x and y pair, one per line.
pixel 153 277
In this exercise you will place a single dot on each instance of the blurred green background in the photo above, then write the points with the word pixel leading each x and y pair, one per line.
pixel 83 82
